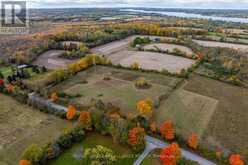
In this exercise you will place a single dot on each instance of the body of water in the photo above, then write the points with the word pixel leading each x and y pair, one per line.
pixel 190 15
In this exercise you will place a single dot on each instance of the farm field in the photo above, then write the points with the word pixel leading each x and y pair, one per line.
pixel 51 60
pixel 153 61
pixel 118 52
pixel 168 47
pixel 119 90
pixel 189 111
pixel 230 116
pixel 21 126
pixel 74 155
pixel 222 44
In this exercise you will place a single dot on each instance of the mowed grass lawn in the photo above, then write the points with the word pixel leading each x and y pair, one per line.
pixel 21 126
pixel 119 90
pixel 228 124
pixel 74 156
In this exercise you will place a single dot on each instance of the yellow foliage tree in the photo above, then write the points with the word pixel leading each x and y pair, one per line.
pixel 145 107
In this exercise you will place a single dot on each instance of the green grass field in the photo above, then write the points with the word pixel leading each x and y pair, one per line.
pixel 120 90
pixel 126 157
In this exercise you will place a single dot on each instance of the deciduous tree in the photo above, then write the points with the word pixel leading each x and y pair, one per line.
pixel 100 155
pixel 167 130
pixel 170 155
pixel 193 141
pixel 145 107
pixel 24 162
pixel 71 112
pixel 235 159
pixel 136 137
pixel 85 120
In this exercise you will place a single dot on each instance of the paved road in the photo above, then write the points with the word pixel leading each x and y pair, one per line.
pixel 153 143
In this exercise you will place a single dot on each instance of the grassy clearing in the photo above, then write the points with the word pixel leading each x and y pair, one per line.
pixel 228 125
pixel 120 90
pixel 21 126
pixel 126 157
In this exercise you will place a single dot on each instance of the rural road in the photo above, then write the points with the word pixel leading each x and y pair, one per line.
pixel 153 143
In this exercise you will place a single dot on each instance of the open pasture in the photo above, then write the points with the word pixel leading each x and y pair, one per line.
pixel 119 89
pixel 21 126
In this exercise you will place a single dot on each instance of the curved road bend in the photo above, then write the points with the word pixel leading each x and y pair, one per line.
pixel 153 143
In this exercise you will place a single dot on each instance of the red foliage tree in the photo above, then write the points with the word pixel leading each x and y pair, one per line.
pixel 167 131
pixel 170 155
pixel 235 159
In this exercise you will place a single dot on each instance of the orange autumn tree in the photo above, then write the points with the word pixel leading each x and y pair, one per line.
pixel 145 107
pixel 54 96
pixel 10 88
pixel 24 162
pixel 235 159
pixel 136 137
pixel 167 130
pixel 193 141
pixel 85 120
pixel 171 154
pixel 71 112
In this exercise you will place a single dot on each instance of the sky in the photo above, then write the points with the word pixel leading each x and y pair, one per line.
pixel 215 4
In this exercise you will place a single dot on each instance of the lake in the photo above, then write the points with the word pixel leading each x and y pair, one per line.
pixel 190 15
